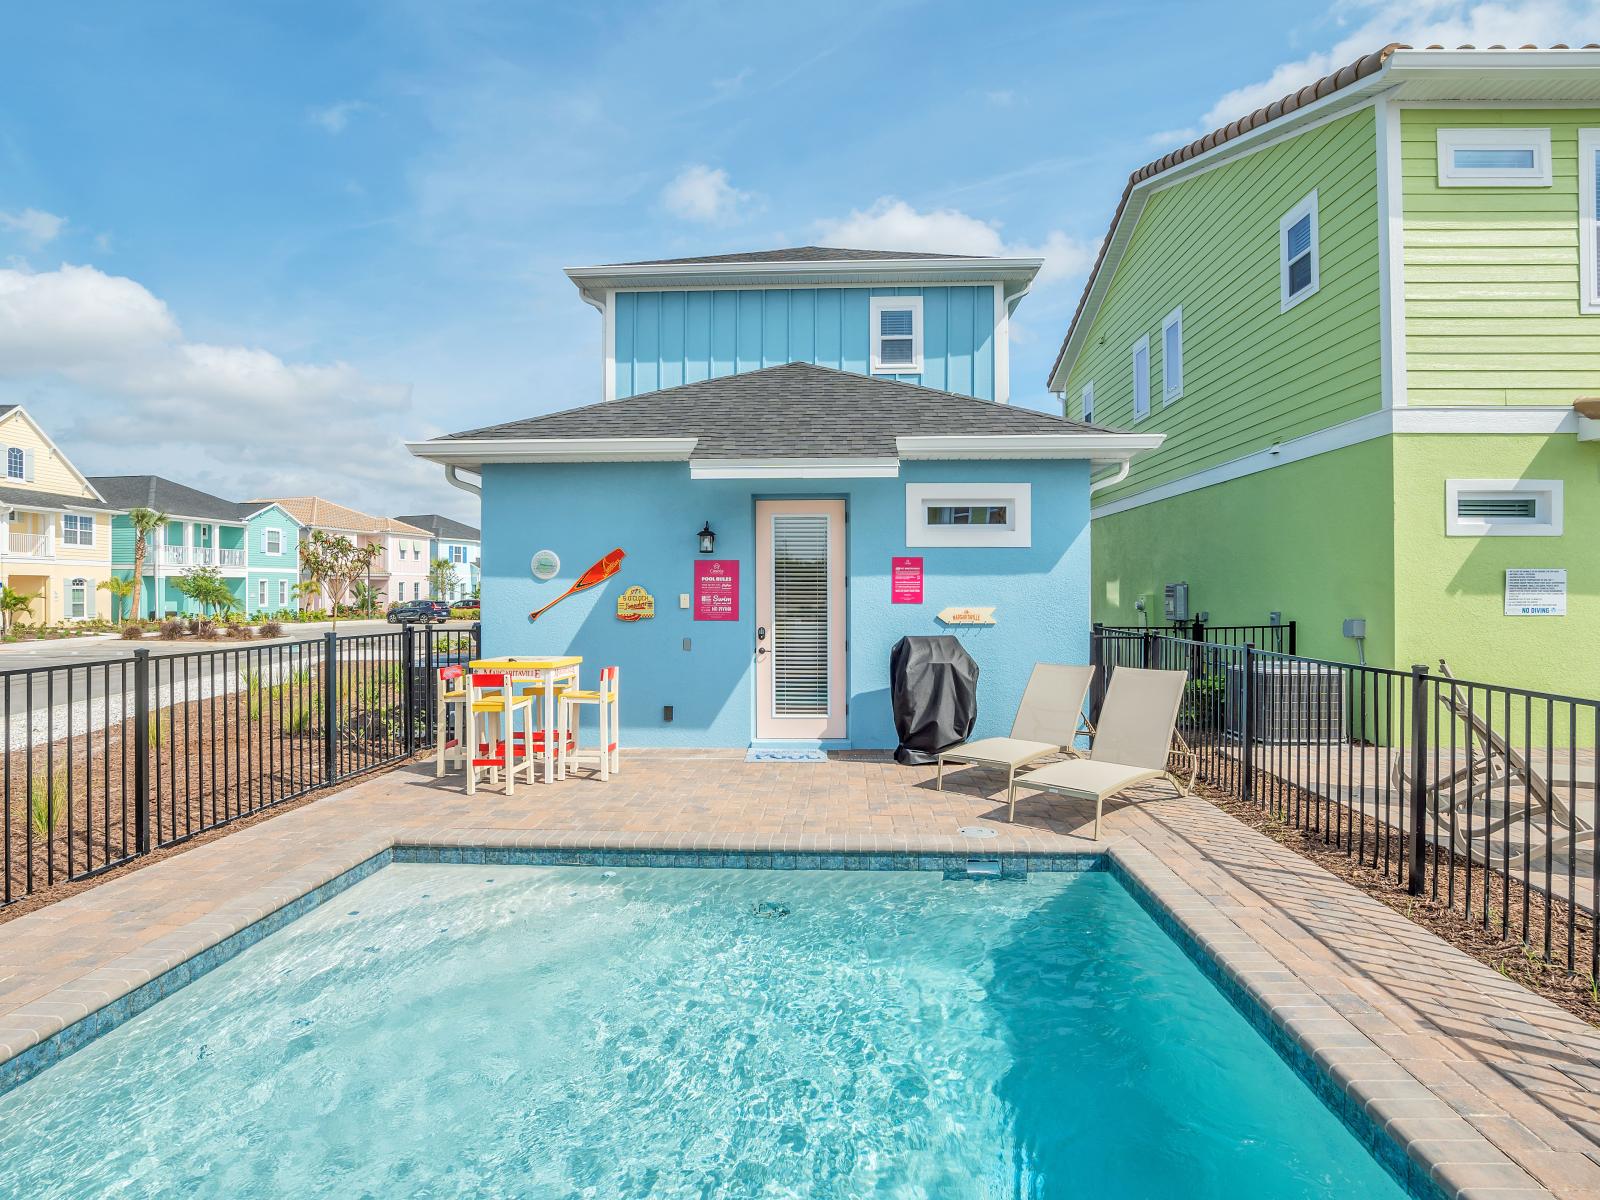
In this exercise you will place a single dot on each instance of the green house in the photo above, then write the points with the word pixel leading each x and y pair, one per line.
pixel 1367 318
pixel 254 545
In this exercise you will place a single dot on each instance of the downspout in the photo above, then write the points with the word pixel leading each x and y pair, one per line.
pixel 453 478
pixel 1112 480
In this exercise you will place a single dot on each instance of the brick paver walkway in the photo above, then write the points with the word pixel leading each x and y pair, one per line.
pixel 1495 1090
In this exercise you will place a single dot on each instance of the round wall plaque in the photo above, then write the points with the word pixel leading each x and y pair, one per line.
pixel 546 563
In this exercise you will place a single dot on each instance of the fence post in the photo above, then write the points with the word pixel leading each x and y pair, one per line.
pixel 330 705
pixel 1292 649
pixel 141 758
pixel 1097 660
pixel 408 662
pixel 1197 631
pixel 1149 649
pixel 1247 726
pixel 1417 861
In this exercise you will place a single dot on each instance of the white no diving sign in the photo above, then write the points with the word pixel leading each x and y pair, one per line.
pixel 1536 592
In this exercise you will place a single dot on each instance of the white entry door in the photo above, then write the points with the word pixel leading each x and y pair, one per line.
pixel 800 619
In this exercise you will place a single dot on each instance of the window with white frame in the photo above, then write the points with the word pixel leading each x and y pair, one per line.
pixel 16 463
pixel 77 530
pixel 1172 356
pixel 283 593
pixel 1088 403
pixel 1589 217
pixel 969 514
pixel 78 599
pixel 1503 507
pixel 1141 378
pixel 1494 157
pixel 273 540
pixel 458 554
pixel 1299 273
pixel 896 335
pixel 261 594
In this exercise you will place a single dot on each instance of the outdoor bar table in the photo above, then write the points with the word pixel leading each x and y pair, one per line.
pixel 546 673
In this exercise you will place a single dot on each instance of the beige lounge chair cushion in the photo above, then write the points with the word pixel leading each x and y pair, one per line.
pixel 1001 751
pixel 1087 778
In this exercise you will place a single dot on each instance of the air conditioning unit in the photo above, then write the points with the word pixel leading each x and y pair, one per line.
pixel 1291 703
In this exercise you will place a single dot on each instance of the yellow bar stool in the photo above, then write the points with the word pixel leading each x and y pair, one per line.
pixel 453 697
pixel 492 710
pixel 604 698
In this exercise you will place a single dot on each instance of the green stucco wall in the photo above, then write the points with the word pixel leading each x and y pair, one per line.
pixel 1252 375
pixel 1491 274
pixel 1312 539
pixel 1449 591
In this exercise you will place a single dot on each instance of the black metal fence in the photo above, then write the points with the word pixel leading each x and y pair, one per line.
pixel 1279 638
pixel 1478 795
pixel 109 760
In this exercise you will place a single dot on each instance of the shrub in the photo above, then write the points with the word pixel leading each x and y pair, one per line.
pixel 205 627
pixel 172 629
pixel 271 629
pixel 241 632
pixel 46 808
pixel 132 631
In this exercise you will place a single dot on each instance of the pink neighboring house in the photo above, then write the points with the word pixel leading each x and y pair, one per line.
pixel 400 573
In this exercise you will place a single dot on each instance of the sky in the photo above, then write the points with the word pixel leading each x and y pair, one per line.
pixel 257 247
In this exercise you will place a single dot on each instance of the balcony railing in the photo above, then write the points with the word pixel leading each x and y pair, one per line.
pixel 230 558
pixel 34 545
pixel 175 556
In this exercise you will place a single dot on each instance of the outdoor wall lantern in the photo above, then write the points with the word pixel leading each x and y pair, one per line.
pixel 708 540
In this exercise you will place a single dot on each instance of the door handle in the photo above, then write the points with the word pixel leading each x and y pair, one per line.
pixel 761 637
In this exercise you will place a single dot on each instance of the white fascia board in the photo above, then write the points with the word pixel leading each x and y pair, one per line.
pixel 1487 419
pixel 795 468
pixel 474 452
pixel 1096 447
pixel 1016 273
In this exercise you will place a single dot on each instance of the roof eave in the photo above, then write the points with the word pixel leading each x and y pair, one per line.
pixel 1095 447
pixel 1016 273
pixel 477 452
pixel 794 468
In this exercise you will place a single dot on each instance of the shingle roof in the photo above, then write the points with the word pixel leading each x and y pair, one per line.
pixel 29 498
pixel 442 527
pixel 788 412
pixel 165 496
pixel 792 254
pixel 1361 68
pixel 315 512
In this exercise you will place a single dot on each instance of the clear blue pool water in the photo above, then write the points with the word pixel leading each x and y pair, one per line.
pixel 579 1031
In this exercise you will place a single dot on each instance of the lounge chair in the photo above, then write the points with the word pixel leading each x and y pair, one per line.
pixel 1049 720
pixel 1136 741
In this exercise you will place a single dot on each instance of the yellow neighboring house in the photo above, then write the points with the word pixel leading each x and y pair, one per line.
pixel 56 540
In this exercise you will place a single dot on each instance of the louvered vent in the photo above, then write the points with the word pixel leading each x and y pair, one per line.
pixel 800 615
pixel 1508 507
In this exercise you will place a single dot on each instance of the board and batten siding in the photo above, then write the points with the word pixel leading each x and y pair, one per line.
pixel 1491 273
pixel 667 338
pixel 1252 375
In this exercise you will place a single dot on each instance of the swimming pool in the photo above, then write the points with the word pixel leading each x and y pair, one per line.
pixel 451 1030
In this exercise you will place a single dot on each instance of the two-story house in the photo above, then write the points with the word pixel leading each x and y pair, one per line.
pixel 1367 319
pixel 400 572
pixel 255 546
pixel 55 528
pixel 803 456
pixel 456 543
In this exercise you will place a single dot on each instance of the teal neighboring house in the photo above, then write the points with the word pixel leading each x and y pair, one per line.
pixel 255 545
pixel 457 543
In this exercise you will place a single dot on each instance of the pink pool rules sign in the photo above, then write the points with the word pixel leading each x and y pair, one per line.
pixel 905 581
pixel 716 590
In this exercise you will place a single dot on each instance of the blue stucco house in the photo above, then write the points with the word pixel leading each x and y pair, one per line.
pixel 838 421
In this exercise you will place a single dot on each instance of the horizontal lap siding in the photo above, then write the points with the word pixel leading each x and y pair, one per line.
pixel 664 339
pixel 1491 274
pixel 1252 375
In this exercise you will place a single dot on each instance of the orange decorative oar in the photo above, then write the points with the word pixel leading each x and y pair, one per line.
pixel 599 573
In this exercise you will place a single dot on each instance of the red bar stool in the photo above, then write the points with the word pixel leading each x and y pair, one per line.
pixel 453 697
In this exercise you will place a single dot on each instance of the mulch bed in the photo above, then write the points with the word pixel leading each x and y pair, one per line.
pixel 1577 991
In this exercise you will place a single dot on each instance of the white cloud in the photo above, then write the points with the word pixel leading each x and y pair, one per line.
pixel 1369 25
pixel 136 395
pixel 699 193
pixel 335 118
pixel 35 226
pixel 892 224
pixel 1001 98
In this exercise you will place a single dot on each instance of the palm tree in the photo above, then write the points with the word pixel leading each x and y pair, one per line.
pixel 12 605
pixel 121 590
pixel 441 578
pixel 145 521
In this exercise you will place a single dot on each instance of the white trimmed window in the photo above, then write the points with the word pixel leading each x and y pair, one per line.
pixel 16 463
pixel 283 593
pixel 1494 158
pixel 896 335
pixel 78 599
pixel 77 530
pixel 969 514
pixel 458 554
pixel 1172 356
pixel 273 543
pixel 1299 272
pixel 1589 217
pixel 1141 378
pixel 261 594
pixel 1088 403
pixel 1503 507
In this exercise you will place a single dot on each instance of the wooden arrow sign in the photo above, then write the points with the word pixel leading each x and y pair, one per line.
pixel 971 614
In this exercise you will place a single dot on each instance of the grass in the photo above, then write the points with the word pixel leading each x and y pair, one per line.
pixel 46 805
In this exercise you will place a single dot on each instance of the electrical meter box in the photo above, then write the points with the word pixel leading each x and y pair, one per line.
pixel 1177 602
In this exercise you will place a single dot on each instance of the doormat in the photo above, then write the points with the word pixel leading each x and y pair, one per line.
pixel 788 756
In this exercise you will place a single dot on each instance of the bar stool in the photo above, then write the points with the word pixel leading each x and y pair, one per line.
pixel 493 702
pixel 604 698
pixel 453 696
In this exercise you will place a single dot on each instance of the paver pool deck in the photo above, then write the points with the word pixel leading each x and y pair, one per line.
pixel 1495 1091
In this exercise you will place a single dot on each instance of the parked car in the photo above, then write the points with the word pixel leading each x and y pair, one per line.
pixel 419 612
pixel 465 610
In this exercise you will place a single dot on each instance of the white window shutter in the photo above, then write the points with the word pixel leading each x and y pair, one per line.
pixel 27 465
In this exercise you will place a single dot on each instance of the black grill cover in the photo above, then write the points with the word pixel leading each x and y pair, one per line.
pixel 933 686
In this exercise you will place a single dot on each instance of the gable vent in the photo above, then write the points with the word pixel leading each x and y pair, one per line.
pixel 1497 508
